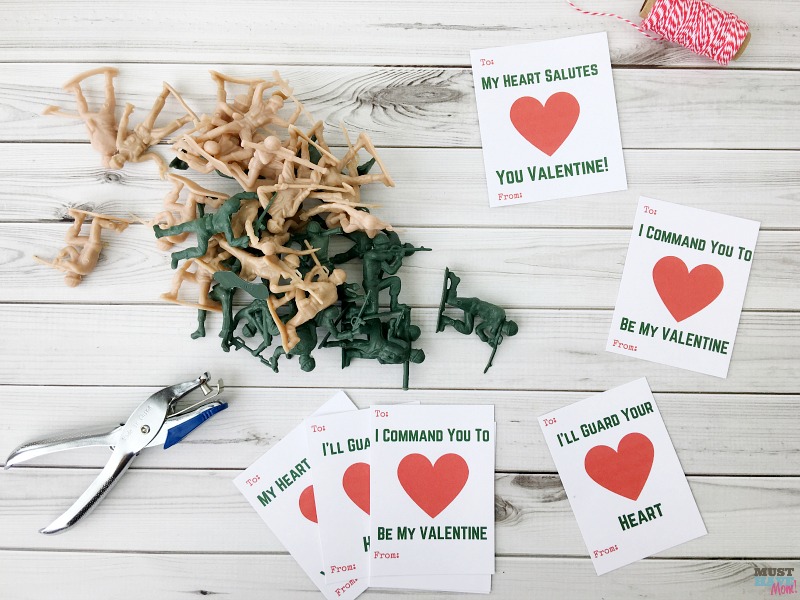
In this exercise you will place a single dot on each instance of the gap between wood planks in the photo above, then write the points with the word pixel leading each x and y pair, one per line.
pixel 501 472
pixel 154 303
pixel 758 559
pixel 416 389
pixel 520 227
pixel 395 65
pixel 450 148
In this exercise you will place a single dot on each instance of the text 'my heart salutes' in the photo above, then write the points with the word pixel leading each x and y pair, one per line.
pixel 433 487
pixel 548 126
pixel 624 471
pixel 685 292
pixel 355 482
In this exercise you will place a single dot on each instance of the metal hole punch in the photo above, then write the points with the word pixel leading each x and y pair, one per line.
pixel 158 421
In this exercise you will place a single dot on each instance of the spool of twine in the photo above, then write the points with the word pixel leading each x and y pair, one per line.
pixel 694 24
pixel 699 26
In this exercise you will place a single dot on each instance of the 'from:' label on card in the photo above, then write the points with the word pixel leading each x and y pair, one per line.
pixel 622 476
pixel 548 120
pixel 683 287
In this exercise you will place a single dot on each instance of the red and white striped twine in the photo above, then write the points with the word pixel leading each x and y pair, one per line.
pixel 616 16
pixel 694 24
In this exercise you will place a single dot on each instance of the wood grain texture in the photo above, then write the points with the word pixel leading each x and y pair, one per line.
pixel 434 187
pixel 554 350
pixel 260 417
pixel 375 32
pixel 202 511
pixel 434 107
pixel 130 576
pixel 529 268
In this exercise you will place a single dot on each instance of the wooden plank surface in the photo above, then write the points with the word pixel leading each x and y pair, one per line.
pixel 130 576
pixel 554 350
pixel 532 514
pixel 435 187
pixel 534 268
pixel 356 32
pixel 260 417
pixel 433 107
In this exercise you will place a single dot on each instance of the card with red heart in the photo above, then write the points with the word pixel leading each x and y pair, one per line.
pixel 622 476
pixel 432 483
pixel 339 448
pixel 548 120
pixel 683 287
pixel 280 489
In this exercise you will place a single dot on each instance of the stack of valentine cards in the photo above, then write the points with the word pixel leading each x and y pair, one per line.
pixel 397 496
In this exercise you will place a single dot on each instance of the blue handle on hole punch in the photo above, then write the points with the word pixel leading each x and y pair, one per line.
pixel 177 433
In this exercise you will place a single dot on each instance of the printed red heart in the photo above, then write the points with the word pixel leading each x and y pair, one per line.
pixel 355 482
pixel 548 126
pixel 624 471
pixel 685 292
pixel 433 487
pixel 307 504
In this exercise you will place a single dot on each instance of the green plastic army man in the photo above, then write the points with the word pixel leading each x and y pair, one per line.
pixel 205 227
pixel 493 325
pixel 384 258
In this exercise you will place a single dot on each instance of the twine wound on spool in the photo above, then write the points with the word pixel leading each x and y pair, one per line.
pixel 697 25
pixel 694 24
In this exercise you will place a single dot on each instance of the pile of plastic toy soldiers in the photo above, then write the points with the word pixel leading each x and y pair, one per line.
pixel 272 240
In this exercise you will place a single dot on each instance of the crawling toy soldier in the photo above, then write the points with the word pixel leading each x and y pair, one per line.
pixel 493 325
pixel 388 343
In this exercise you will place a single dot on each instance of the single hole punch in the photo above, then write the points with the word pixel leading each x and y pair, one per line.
pixel 158 421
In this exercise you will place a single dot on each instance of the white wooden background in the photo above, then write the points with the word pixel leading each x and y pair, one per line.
pixel 175 527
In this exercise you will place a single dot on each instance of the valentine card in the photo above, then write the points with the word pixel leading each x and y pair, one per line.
pixel 339 448
pixel 279 487
pixel 548 120
pixel 683 287
pixel 432 490
pixel 622 476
